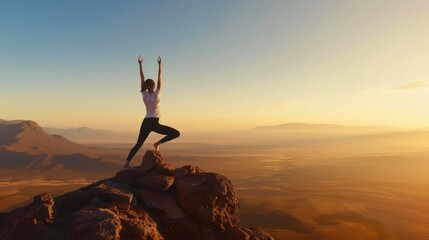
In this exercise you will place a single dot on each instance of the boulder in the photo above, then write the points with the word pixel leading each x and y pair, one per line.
pixel 44 208
pixel 155 182
pixel 128 175
pixel 163 168
pixel 186 170
pixel 150 158
pixel 209 198
pixel 138 225
pixel 95 223
pixel 31 221
pixel 99 203
pixel 115 192
pixel 181 228
pixel 161 201
pixel 72 201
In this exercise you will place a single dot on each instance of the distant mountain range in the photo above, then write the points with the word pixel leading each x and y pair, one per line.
pixel 325 127
pixel 329 128
pixel 29 137
pixel 85 134
pixel 90 135
pixel 27 148
pixel 362 139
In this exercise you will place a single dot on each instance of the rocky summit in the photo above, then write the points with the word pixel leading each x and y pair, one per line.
pixel 152 201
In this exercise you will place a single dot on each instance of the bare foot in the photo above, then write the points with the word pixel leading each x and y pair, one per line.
pixel 156 145
pixel 127 164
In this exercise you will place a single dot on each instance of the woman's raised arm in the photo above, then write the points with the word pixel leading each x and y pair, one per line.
pixel 159 73
pixel 140 60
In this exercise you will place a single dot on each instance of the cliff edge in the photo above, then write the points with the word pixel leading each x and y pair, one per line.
pixel 152 202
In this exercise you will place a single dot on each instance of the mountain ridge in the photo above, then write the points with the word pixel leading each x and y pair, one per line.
pixel 28 136
pixel 26 148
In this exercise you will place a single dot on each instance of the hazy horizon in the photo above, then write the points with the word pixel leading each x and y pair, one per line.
pixel 134 131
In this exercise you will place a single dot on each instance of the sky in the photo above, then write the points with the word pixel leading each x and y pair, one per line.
pixel 226 64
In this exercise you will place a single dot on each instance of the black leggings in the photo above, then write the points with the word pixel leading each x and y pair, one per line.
pixel 149 125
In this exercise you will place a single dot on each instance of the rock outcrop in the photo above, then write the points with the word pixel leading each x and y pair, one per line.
pixel 152 201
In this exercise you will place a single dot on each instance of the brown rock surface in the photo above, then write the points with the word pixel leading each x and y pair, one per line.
pixel 44 208
pixel 186 170
pixel 72 201
pixel 114 191
pixel 161 201
pixel 150 158
pixel 163 168
pixel 181 228
pixel 29 222
pixel 209 198
pixel 95 223
pixel 155 182
pixel 138 225
pixel 128 175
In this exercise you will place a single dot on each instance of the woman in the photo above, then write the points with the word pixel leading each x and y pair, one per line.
pixel 151 99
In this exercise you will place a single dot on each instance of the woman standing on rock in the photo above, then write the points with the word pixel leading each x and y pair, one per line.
pixel 151 99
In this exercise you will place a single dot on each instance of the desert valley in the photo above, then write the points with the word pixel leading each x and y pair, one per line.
pixel 296 181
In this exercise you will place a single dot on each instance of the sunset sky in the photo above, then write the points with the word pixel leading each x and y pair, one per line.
pixel 226 64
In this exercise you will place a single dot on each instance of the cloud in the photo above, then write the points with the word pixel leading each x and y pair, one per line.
pixel 413 85
pixel 396 90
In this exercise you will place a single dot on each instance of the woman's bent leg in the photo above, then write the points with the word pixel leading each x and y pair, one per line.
pixel 170 133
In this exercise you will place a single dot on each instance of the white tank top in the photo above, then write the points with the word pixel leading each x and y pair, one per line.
pixel 152 103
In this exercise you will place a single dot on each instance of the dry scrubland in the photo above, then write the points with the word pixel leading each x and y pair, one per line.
pixel 317 193
pixel 297 186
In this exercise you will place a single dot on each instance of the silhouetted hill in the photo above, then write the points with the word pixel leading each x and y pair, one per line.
pixel 26 147
pixel 27 136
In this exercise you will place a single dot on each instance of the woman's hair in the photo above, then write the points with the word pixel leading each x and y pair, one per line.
pixel 148 82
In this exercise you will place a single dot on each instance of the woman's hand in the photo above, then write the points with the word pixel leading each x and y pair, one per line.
pixel 159 60
pixel 140 59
